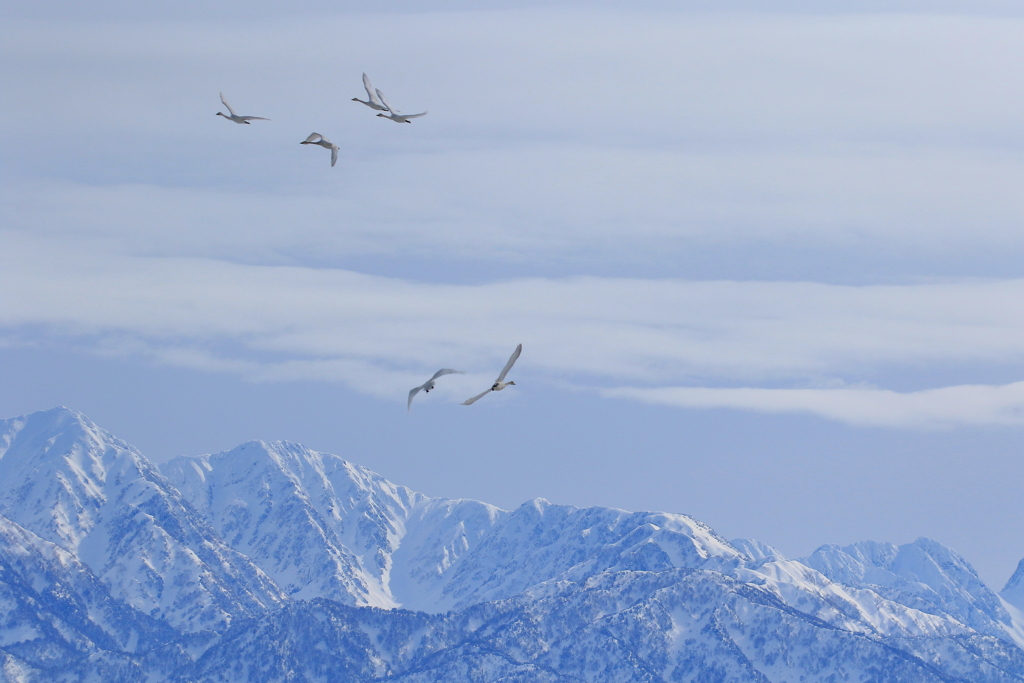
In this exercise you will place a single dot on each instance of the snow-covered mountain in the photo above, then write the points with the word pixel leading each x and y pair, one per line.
pixel 323 527
pixel 675 625
pixel 79 487
pixel 57 614
pixel 276 562
pixel 540 542
pixel 1013 591
pixel 924 575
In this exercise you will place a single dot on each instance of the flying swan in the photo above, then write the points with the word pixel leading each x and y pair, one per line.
pixel 372 101
pixel 499 383
pixel 235 117
pixel 429 384
pixel 393 113
pixel 317 139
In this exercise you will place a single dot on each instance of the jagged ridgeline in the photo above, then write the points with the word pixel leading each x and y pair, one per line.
pixel 272 562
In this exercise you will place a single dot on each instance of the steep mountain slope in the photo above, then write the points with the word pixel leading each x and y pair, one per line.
pixel 924 575
pixel 756 550
pixel 323 527
pixel 1013 591
pixel 58 620
pixel 79 487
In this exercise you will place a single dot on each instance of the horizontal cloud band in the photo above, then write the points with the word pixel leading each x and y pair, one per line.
pixel 947 406
pixel 377 334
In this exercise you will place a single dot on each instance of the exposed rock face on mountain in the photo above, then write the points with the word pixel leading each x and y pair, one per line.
pixel 275 562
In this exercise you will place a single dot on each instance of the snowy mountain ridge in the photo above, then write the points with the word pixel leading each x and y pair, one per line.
pixel 274 561
pixel 81 488
pixel 323 527
pixel 925 575
pixel 367 541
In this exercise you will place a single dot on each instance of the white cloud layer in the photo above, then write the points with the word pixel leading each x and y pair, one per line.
pixel 943 407
pixel 377 334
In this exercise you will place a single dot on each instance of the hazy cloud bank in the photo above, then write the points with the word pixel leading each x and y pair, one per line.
pixel 377 334
pixel 944 407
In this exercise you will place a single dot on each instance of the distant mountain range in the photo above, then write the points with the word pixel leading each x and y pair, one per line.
pixel 273 562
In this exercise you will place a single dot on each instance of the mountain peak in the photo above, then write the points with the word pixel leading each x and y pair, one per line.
pixel 1013 591
pixel 924 575
pixel 756 550
pixel 324 527
pixel 52 433
pixel 53 469
pixel 76 485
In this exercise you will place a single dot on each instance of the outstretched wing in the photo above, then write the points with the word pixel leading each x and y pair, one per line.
pixel 313 137
pixel 476 398
pixel 225 103
pixel 370 94
pixel 510 363
pixel 334 154
pixel 414 116
pixel 384 101
pixel 446 371
pixel 412 392
pixel 253 118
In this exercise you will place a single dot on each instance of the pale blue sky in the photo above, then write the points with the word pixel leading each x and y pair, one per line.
pixel 765 265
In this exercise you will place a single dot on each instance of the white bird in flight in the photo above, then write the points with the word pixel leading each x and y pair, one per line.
pixel 317 139
pixel 235 117
pixel 393 113
pixel 429 384
pixel 499 383
pixel 372 101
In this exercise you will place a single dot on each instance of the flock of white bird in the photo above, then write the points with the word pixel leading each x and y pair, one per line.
pixel 375 100
pixel 498 385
